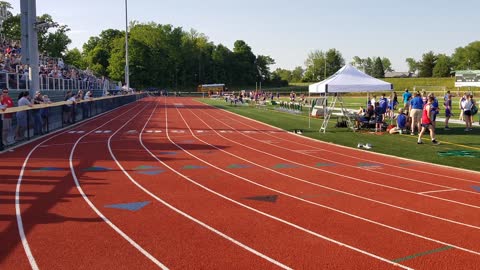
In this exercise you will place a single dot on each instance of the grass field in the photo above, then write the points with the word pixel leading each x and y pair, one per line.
pixel 405 146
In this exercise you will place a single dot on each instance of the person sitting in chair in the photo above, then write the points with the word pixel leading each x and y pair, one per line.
pixel 364 117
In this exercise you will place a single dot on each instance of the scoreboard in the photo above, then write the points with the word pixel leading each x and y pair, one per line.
pixel 467 78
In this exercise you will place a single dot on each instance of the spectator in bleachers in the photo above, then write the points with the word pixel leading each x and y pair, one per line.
pixel 6 103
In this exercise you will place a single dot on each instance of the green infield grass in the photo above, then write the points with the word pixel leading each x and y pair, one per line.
pixel 457 149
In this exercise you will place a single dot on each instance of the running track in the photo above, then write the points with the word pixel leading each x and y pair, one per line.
pixel 172 183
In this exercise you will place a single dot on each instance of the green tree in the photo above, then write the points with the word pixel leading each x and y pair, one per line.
pixel 56 43
pixel 334 60
pixel 412 65
pixel 387 65
pixel 222 64
pixel 357 62
pixel 6 4
pixel 91 43
pixel 378 69
pixel 467 57
pixel 245 67
pixel 263 64
pixel 167 56
pixel 11 28
pixel 74 57
pixel 97 50
pixel 116 67
pixel 427 64
pixel 297 74
pixel 368 66
pixel 442 67
pixel 315 64
pixel 283 74
pixel 52 40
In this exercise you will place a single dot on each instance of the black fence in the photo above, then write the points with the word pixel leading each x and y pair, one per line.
pixel 23 125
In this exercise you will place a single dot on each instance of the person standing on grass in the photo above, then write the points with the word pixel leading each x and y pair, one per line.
pixel 406 97
pixel 448 109
pixel 461 105
pixel 434 108
pixel 427 121
pixel 468 113
pixel 378 117
pixel 416 106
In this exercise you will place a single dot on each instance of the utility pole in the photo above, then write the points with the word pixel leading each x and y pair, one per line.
pixel 127 72
pixel 28 19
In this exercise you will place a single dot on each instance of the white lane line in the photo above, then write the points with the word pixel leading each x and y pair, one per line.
pixel 240 244
pixel 354 149
pixel 327 207
pixel 435 191
pixel 346 176
pixel 18 212
pixel 258 211
pixel 98 212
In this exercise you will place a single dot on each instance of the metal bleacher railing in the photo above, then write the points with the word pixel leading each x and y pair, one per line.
pixel 57 115
pixel 17 81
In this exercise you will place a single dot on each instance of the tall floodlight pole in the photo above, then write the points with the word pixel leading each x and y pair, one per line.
pixel 28 11
pixel 325 69
pixel 127 73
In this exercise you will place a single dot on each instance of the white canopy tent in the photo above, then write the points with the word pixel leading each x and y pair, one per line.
pixel 347 80
pixel 350 80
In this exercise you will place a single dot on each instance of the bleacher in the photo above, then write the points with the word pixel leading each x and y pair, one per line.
pixel 55 76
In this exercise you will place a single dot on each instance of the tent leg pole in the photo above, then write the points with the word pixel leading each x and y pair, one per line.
pixel 309 116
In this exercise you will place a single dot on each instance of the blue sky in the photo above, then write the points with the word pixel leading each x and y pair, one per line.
pixel 289 30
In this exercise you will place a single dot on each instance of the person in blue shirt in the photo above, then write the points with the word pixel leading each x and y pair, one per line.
pixel 383 103
pixel 401 123
pixel 416 107
pixel 406 95
pixel 378 117
pixel 434 107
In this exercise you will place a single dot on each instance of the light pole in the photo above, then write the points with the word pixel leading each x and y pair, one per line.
pixel 325 69
pixel 127 73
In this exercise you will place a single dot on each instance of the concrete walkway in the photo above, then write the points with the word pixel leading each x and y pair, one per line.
pixel 454 120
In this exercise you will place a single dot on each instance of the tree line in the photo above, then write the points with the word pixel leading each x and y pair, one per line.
pixel 168 56
pixel 320 65
pixel 442 65
pixel 159 55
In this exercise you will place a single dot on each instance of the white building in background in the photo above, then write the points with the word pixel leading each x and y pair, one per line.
pixel 394 74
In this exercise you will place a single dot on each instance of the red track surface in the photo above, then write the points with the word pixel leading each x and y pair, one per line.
pixel 223 192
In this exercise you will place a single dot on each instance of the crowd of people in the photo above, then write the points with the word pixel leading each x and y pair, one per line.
pixel 49 67
pixel 260 97
pixel 39 117
pixel 418 114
